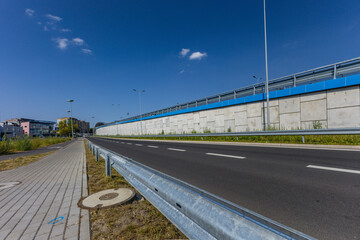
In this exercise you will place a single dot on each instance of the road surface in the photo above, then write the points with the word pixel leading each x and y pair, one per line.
pixel 315 191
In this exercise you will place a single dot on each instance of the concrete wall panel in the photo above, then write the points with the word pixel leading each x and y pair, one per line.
pixel 290 121
pixel 343 97
pixel 289 105
pixel 344 117
pixel 313 110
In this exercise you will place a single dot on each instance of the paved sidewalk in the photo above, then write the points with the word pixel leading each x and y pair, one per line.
pixel 44 204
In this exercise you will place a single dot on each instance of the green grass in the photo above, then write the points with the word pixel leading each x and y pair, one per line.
pixel 136 220
pixel 8 146
pixel 21 161
pixel 309 139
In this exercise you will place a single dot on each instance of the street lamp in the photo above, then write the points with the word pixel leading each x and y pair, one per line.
pixel 140 92
pixel 257 79
pixel 266 70
pixel 90 125
pixel 72 127
pixel 117 131
pixel 115 109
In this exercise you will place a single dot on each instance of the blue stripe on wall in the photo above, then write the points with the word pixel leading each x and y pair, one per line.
pixel 309 88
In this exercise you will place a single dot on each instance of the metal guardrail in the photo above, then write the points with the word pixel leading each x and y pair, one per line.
pixel 332 71
pixel 333 131
pixel 197 213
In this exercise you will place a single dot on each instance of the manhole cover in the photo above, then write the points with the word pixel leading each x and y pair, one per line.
pixel 108 198
pixel 8 185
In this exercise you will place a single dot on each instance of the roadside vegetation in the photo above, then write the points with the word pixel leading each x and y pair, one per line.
pixel 136 220
pixel 14 145
pixel 21 161
pixel 309 139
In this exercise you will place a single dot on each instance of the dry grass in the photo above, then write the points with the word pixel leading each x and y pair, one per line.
pixel 137 220
pixel 21 161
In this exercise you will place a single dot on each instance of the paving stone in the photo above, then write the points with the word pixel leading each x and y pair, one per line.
pixel 49 188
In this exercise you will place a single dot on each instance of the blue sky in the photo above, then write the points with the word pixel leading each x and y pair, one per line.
pixel 96 52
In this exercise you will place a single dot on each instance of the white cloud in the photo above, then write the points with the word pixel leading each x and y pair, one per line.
pixel 65 30
pixel 182 71
pixel 29 12
pixel 78 41
pixel 40 23
pixel 46 28
pixel 53 18
pixel 197 55
pixel 184 51
pixel 62 43
pixel 87 51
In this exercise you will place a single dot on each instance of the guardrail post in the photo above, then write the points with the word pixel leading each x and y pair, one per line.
pixel 108 165
pixel 294 80
pixel 93 151
pixel 202 138
pixel 97 154
pixel 335 71
pixel 303 139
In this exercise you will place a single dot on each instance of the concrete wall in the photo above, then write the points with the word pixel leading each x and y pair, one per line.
pixel 338 108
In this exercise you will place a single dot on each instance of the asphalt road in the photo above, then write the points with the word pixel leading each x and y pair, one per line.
pixel 314 191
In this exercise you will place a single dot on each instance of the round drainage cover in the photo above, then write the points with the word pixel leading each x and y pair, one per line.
pixel 8 185
pixel 108 198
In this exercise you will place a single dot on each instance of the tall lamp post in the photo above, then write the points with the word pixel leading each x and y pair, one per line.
pixel 117 131
pixel 140 92
pixel 72 127
pixel 266 70
pixel 90 125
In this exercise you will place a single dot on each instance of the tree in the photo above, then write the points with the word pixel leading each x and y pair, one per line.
pixel 65 128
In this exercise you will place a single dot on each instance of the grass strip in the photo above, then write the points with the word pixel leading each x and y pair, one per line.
pixel 27 143
pixel 21 161
pixel 309 139
pixel 137 220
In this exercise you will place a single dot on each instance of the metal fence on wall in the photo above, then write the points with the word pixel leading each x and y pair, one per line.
pixel 332 71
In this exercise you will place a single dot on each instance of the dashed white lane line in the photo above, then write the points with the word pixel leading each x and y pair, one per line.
pixel 176 149
pixel 224 155
pixel 150 146
pixel 129 143
pixel 138 145
pixel 334 169
pixel 122 142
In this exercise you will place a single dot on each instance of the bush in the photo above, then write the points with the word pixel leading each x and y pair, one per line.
pixel 23 144
pixel 4 147
pixel 27 143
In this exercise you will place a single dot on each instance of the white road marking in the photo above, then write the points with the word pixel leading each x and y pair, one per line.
pixel 334 169
pixel 153 146
pixel 224 155
pixel 122 142
pixel 138 144
pixel 129 143
pixel 176 149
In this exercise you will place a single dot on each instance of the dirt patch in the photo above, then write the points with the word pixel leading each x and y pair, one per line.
pixel 21 161
pixel 137 220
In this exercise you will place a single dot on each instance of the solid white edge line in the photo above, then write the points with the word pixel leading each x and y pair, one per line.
pixel 150 146
pixel 224 155
pixel 334 169
pixel 176 149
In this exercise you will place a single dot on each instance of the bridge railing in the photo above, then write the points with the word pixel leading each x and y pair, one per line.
pixel 332 71
pixel 197 213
